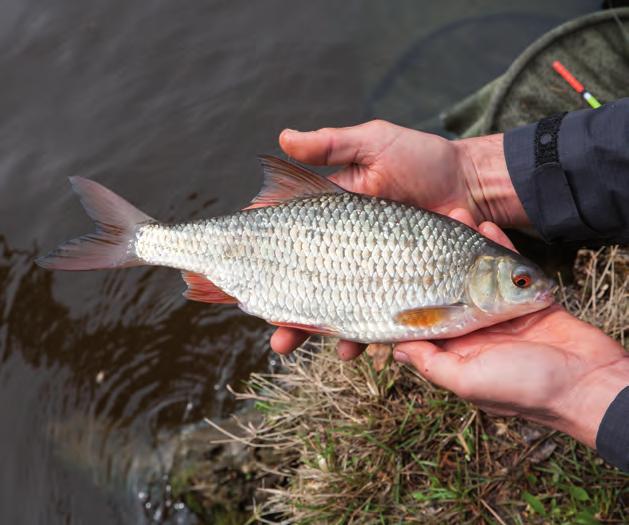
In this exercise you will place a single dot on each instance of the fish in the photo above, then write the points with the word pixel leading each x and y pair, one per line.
pixel 308 254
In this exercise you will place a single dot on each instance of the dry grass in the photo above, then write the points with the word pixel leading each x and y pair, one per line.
pixel 600 293
pixel 361 445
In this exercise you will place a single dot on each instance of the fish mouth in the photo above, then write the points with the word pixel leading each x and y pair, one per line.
pixel 548 295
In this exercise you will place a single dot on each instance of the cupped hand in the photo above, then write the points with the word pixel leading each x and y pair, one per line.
pixel 542 366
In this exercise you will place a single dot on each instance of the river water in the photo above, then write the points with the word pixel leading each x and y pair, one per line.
pixel 168 103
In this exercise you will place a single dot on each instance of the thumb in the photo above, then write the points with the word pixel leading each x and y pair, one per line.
pixel 336 146
pixel 326 146
pixel 438 366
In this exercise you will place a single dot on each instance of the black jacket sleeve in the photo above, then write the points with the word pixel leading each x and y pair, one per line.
pixel 571 173
pixel 612 438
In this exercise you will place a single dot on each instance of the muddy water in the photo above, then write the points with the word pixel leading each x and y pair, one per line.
pixel 168 103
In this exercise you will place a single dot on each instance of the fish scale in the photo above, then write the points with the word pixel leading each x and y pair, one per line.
pixel 318 261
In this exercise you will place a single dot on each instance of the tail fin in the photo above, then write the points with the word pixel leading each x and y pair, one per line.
pixel 111 246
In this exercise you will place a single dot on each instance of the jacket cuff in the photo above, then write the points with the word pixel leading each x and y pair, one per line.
pixel 612 438
pixel 532 153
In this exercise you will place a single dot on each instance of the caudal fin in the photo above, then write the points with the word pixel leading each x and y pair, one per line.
pixel 111 245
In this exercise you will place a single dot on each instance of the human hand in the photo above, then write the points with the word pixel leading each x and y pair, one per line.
pixel 548 366
pixel 405 165
pixel 389 161
pixel 417 168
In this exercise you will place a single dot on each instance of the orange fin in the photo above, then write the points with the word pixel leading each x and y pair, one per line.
pixel 284 181
pixel 311 329
pixel 426 317
pixel 200 288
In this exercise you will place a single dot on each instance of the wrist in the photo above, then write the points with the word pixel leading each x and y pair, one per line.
pixel 580 415
pixel 484 171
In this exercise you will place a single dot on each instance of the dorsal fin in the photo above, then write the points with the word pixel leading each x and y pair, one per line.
pixel 284 181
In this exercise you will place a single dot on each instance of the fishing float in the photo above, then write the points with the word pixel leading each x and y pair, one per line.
pixel 575 84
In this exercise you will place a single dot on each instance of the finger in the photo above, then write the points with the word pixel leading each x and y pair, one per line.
pixel 285 340
pixel 335 146
pixel 348 350
pixel 497 411
pixel 464 216
pixel 493 232
pixel 326 146
pixel 438 366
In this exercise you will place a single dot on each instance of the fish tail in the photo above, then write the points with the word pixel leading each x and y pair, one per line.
pixel 112 245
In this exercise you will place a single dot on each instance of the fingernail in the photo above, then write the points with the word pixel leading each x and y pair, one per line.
pixel 287 135
pixel 401 357
pixel 289 131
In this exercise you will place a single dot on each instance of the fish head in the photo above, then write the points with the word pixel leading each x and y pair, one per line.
pixel 503 283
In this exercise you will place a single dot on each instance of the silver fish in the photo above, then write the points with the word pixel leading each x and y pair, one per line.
pixel 308 254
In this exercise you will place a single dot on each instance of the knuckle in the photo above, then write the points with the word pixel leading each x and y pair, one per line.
pixel 378 123
pixel 325 131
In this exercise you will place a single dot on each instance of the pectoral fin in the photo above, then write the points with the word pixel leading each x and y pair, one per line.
pixel 428 316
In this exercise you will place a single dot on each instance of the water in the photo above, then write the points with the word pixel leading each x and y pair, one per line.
pixel 168 104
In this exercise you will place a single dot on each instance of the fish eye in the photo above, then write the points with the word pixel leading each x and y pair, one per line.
pixel 521 280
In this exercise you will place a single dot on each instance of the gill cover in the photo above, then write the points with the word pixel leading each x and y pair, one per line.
pixel 482 284
pixel 506 283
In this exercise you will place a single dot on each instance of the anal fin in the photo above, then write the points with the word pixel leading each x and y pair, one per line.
pixel 200 288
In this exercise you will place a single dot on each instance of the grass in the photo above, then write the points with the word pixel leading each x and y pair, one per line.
pixel 372 442
pixel 600 293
